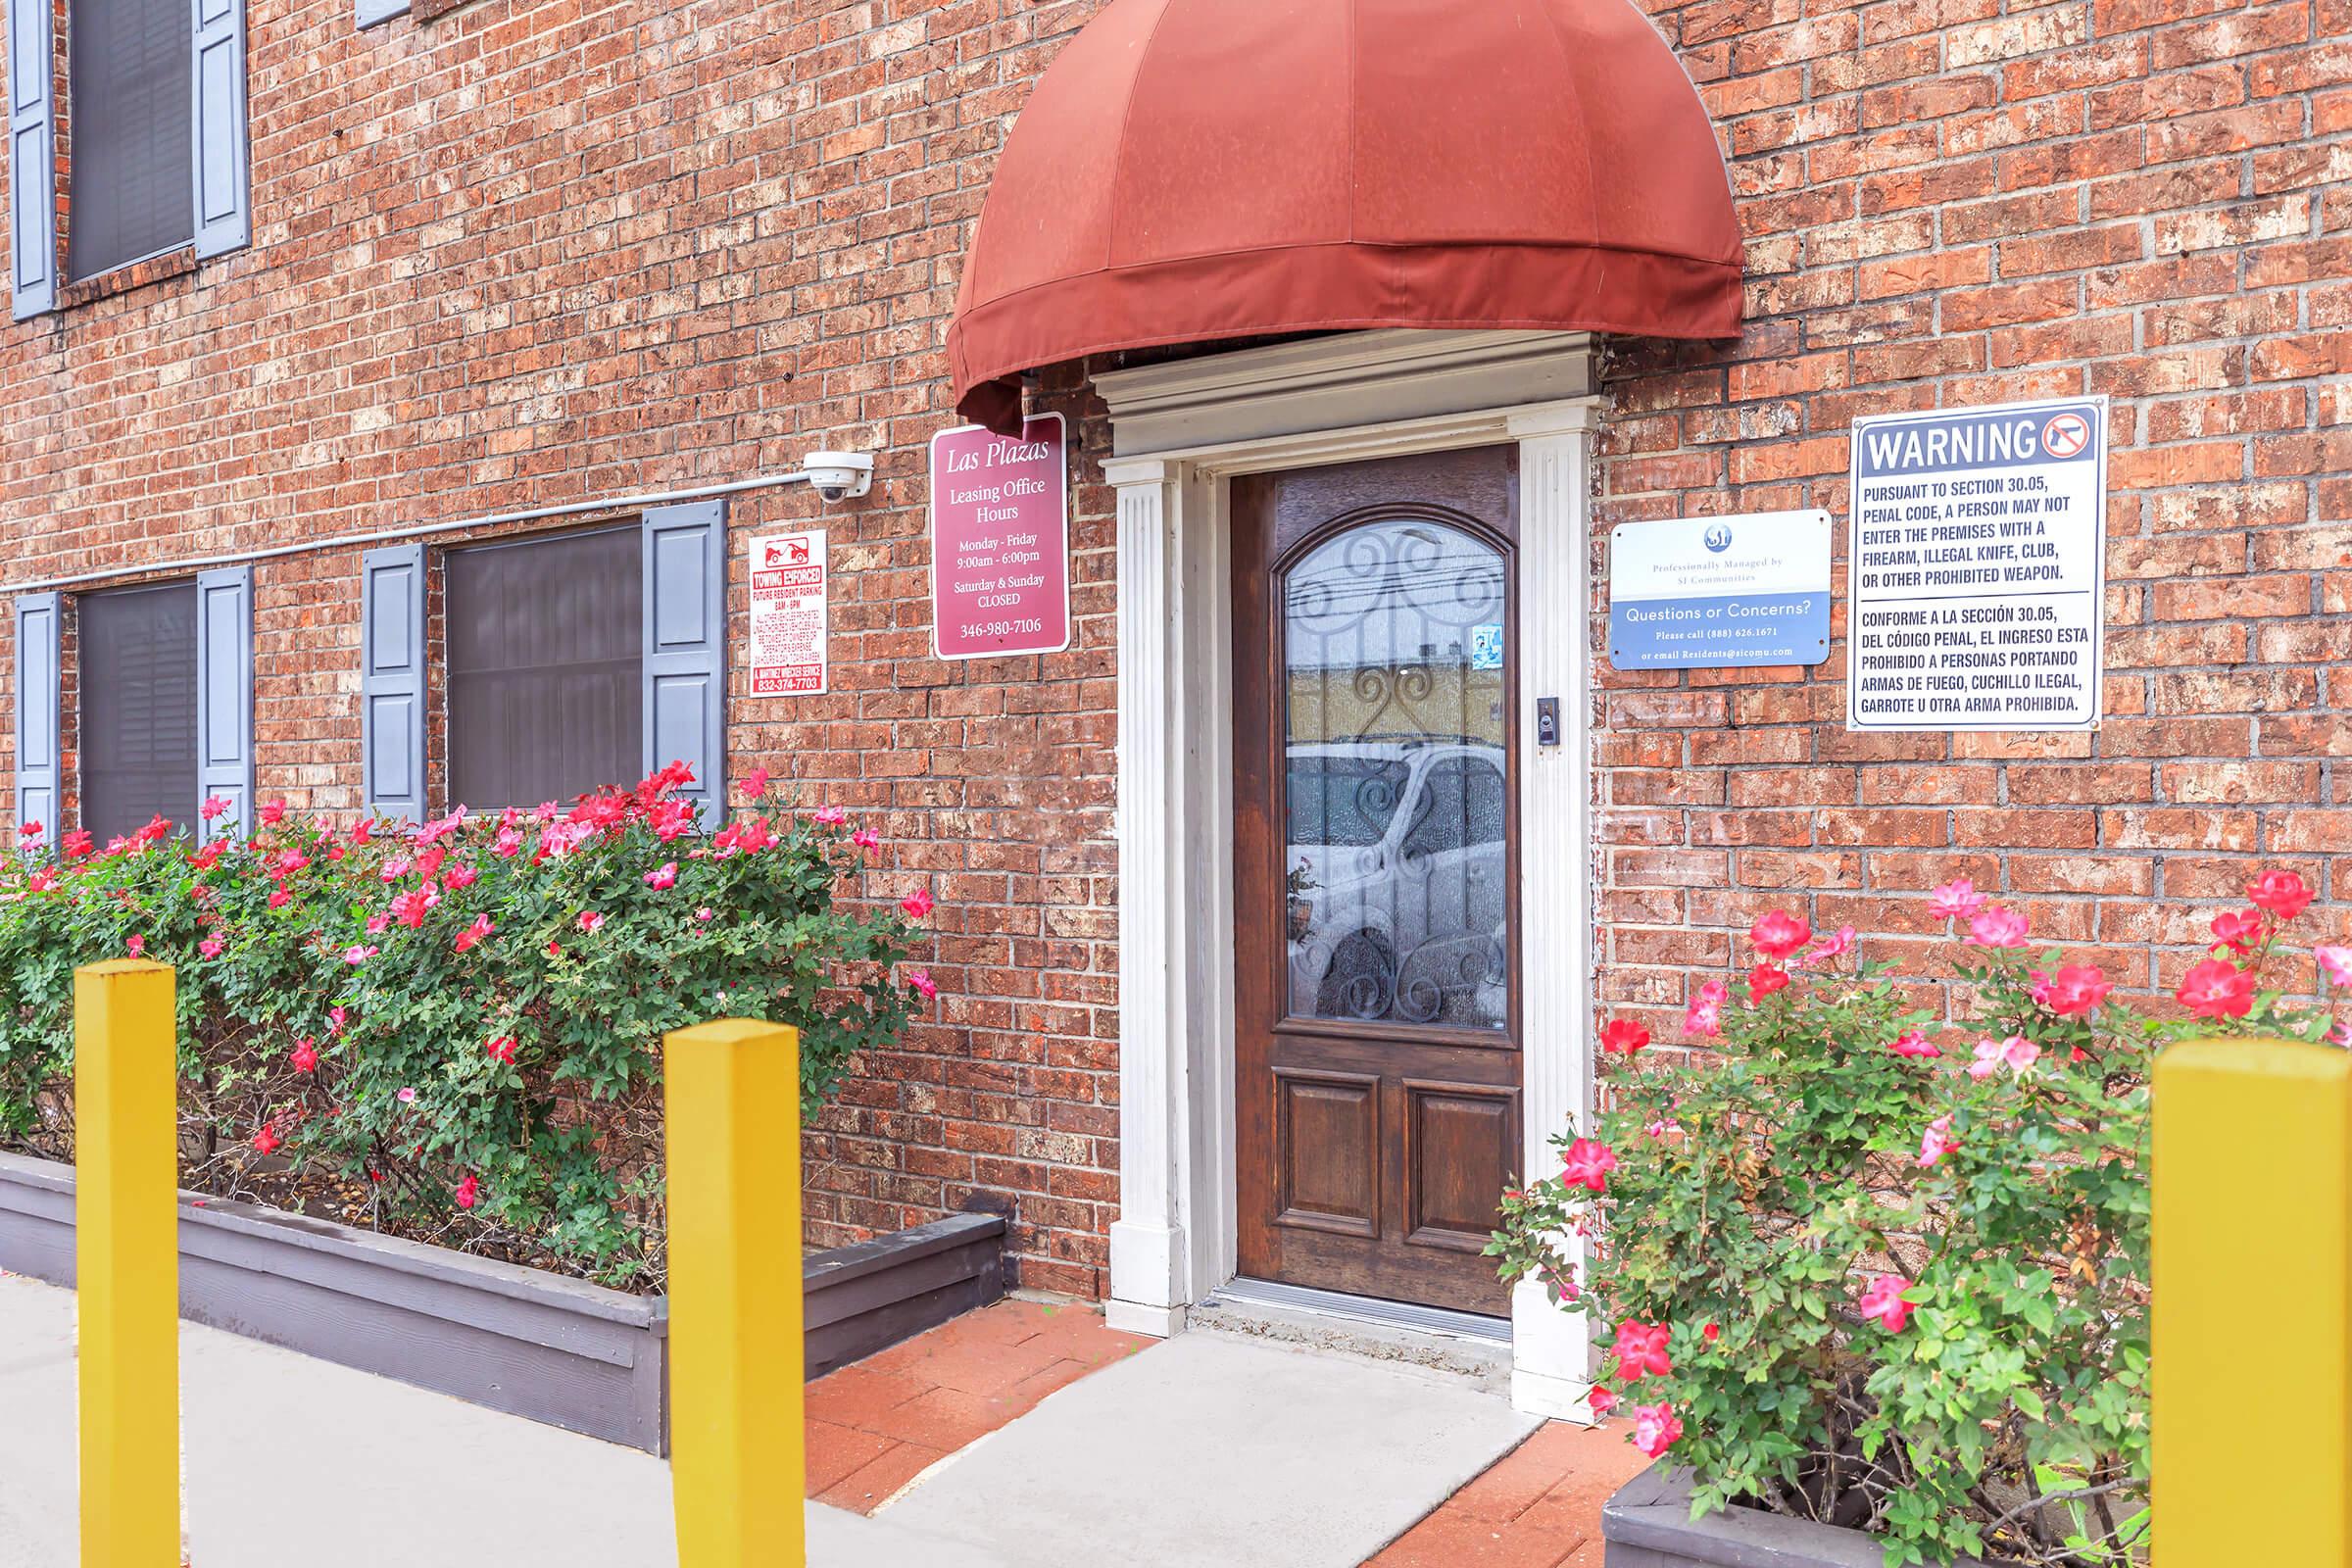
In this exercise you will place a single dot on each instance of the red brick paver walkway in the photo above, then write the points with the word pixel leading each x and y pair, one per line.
pixel 875 1426
pixel 1537 1506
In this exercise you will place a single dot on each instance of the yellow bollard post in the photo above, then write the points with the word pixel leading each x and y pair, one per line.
pixel 2251 1331
pixel 126 1263
pixel 732 1130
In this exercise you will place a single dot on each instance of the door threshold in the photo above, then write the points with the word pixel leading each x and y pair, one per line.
pixel 1367 1311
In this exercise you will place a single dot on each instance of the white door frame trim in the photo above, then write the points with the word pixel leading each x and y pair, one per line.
pixel 1361 395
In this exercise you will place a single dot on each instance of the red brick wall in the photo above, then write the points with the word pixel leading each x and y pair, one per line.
pixel 1952 202
pixel 538 250
pixel 541 250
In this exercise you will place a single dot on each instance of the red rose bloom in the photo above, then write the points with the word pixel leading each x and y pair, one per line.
pixel 1764 979
pixel 2072 991
pixel 2281 893
pixel 1622 1034
pixel 2237 929
pixel 2217 989
pixel 1779 934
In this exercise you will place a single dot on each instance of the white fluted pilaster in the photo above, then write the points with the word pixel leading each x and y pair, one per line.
pixel 1552 1346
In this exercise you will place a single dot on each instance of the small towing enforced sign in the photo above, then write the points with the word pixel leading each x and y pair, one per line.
pixel 1977 568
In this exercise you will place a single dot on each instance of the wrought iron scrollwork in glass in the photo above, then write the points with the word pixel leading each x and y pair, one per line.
pixel 1396 778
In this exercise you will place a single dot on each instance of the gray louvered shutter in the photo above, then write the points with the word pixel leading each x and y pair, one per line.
pixel 224 697
pixel 31 157
pixel 685 647
pixel 392 679
pixel 37 688
pixel 223 202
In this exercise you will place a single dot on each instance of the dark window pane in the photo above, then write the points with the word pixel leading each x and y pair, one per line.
pixel 132 184
pixel 139 708
pixel 545 659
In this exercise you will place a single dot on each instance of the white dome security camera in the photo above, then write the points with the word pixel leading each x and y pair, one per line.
pixel 839 475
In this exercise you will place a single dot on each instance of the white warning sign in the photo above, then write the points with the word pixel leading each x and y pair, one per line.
pixel 1977 568
pixel 788 590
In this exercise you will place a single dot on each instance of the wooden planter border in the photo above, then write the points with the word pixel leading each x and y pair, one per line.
pixel 521 1339
pixel 1647 1524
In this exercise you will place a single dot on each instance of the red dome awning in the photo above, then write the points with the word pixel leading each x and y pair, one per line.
pixel 1215 169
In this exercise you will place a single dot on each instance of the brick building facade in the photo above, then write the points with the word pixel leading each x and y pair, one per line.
pixel 528 256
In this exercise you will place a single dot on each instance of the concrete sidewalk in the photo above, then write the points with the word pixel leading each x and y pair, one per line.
pixel 1211 1450
pixel 289 1459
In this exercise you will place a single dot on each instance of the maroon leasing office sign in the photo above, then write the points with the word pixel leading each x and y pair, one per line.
pixel 1001 541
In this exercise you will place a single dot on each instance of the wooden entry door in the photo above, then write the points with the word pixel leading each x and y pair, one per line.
pixel 1376 869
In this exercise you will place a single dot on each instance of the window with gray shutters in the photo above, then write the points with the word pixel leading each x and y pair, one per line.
pixel 137 667
pixel 545 656
pixel 132 184
pixel 158 160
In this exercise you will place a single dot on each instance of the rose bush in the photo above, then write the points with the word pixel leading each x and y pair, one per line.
pixel 1854 1268
pixel 459 1021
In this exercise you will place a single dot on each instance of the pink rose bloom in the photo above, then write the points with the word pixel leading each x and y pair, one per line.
pixel 831 817
pixel 482 926
pixel 273 813
pixel 754 783
pixel 2336 964
pixel 705 912
pixel 210 946
pixel 1936 1141
pixel 379 924
pixel 407 1096
pixel 137 946
pixel 335 1018
pixel 214 805
pixel 1703 1018
pixel 1884 1301
pixel 2017 1053
pixel 1995 927
pixel 917 904
pixel 1588 1164
pixel 920 980
pixel 395 869
pixel 589 920
pixel 1914 1044
pixel 280 898
pixel 663 876
pixel 1834 946
pixel 358 954
pixel 1656 1428
pixel 865 838
pixel 1955 900
pixel 1601 1400
pixel 305 1056
pixel 461 876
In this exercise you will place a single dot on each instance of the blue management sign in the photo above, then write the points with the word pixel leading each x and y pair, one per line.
pixel 1710 592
